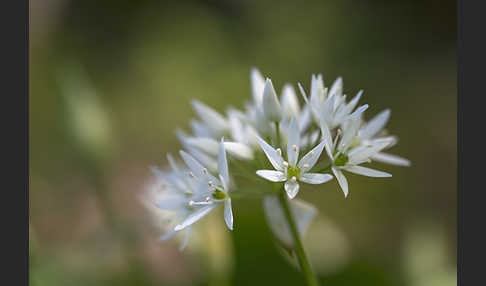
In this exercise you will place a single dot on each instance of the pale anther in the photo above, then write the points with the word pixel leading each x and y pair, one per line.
pixel 191 174
pixel 294 179
pixel 306 166
pixel 294 147
pixel 205 171
pixel 285 163
pixel 279 152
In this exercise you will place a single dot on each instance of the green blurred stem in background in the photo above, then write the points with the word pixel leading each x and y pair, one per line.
pixel 298 247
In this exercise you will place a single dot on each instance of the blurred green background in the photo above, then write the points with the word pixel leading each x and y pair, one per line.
pixel 111 80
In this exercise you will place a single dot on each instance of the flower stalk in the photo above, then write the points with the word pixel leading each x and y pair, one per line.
pixel 298 246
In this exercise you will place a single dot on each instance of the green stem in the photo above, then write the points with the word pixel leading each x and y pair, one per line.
pixel 298 247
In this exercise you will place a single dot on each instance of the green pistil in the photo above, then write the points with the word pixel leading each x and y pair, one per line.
pixel 219 195
pixel 293 172
pixel 341 160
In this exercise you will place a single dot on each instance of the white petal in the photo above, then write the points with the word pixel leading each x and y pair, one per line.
pixel 366 171
pixel 222 162
pixel 343 183
pixel 207 145
pixel 358 111
pixel 310 159
pixel 275 159
pixel 375 125
pixel 293 141
pixel 391 159
pixel 361 154
pixel 290 103
pixel 196 168
pixel 350 131
pixel 204 158
pixel 239 150
pixel 327 138
pixel 215 121
pixel 292 188
pixel 257 84
pixel 302 91
pixel 271 175
pixel 195 216
pixel 171 202
pixel 271 106
pixel 228 213
pixel 337 87
pixel 185 239
pixel 352 104
pixel 315 178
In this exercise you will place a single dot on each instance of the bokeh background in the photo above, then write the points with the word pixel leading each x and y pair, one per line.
pixel 111 80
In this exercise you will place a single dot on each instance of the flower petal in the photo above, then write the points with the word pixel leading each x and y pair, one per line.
pixel 271 175
pixel 257 85
pixel 360 170
pixel 195 216
pixel 293 142
pixel 168 235
pixel 343 183
pixel 239 150
pixel 290 103
pixel 228 214
pixel 196 168
pixel 207 145
pixel 374 125
pixel 215 121
pixel 223 163
pixel 292 188
pixel 275 159
pixel 315 178
pixel 310 159
pixel 391 159
pixel 271 106
pixel 327 138
pixel 361 154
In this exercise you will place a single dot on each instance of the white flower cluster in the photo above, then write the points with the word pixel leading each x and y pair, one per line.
pixel 268 125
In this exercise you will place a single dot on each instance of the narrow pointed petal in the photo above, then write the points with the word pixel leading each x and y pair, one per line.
pixel 275 159
pixel 290 103
pixel 352 104
pixel 343 183
pixel 337 87
pixel 360 170
pixel 358 111
pixel 327 138
pixel 222 162
pixel 349 133
pixel 204 158
pixel 271 106
pixel 302 92
pixel 292 188
pixel 293 142
pixel 361 154
pixel 196 168
pixel 271 175
pixel 195 216
pixel 228 214
pixel 239 150
pixel 185 239
pixel 310 159
pixel 391 159
pixel 212 118
pixel 257 85
pixel 171 202
pixel 207 145
pixel 315 178
pixel 375 125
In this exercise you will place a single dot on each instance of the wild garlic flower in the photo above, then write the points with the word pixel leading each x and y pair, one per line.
pixel 270 121
pixel 345 156
pixel 210 191
pixel 290 171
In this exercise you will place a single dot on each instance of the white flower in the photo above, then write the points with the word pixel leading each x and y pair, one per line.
pixel 215 122
pixel 331 106
pixel 290 172
pixel 370 132
pixel 211 191
pixel 346 158
pixel 271 106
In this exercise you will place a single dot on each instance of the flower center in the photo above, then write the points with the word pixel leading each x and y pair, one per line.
pixel 341 160
pixel 219 195
pixel 293 172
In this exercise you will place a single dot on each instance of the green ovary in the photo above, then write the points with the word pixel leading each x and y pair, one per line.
pixel 341 160
pixel 219 195
pixel 293 172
